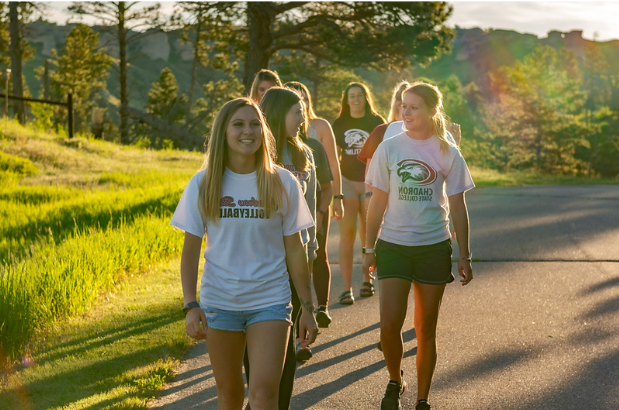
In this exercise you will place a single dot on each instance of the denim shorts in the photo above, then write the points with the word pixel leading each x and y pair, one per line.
pixel 240 320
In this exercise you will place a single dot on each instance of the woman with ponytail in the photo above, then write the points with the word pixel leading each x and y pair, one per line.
pixel 252 213
pixel 418 177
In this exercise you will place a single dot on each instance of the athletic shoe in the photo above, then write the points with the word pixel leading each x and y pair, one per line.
pixel 423 405
pixel 322 317
pixel 303 353
pixel 391 399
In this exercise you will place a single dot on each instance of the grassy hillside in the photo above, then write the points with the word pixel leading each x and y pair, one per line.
pixel 77 217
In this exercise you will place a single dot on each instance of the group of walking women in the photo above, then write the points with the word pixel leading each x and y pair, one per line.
pixel 273 176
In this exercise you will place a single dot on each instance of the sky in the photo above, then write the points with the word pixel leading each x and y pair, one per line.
pixel 597 19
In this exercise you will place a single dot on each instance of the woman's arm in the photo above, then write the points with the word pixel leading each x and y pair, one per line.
pixel 325 134
pixel 190 259
pixel 296 260
pixel 460 218
pixel 376 211
pixel 326 192
pixel 310 198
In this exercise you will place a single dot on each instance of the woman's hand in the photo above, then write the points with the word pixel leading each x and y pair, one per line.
pixel 307 328
pixel 194 317
pixel 369 264
pixel 338 209
pixel 465 270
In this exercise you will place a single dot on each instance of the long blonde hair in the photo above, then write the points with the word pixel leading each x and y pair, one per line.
pixel 270 187
pixel 397 96
pixel 263 75
pixel 432 97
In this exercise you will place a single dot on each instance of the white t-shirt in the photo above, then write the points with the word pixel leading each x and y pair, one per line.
pixel 245 258
pixel 397 127
pixel 419 178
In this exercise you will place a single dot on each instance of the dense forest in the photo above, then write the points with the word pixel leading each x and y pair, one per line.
pixel 549 104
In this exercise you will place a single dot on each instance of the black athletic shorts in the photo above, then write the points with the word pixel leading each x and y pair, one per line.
pixel 429 264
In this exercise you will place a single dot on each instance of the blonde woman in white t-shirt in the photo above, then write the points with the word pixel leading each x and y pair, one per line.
pixel 252 213
pixel 418 176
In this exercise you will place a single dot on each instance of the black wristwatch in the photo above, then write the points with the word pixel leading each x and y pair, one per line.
pixel 321 211
pixel 190 306
pixel 338 196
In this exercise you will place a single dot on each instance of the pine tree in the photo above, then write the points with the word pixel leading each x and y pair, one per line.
pixel 163 99
pixel 81 70
pixel 128 23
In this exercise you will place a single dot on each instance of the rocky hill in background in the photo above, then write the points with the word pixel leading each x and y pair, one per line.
pixel 475 53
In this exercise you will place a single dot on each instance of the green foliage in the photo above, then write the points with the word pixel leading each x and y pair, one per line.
pixel 17 165
pixel 43 116
pixel 163 98
pixel 606 158
pixel 81 70
pixel 536 120
pixel 216 93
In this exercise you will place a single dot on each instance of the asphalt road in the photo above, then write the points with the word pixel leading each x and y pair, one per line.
pixel 536 329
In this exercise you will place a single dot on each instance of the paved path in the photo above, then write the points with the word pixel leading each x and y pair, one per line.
pixel 536 329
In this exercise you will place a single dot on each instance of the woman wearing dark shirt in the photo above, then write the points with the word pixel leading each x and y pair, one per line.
pixel 356 120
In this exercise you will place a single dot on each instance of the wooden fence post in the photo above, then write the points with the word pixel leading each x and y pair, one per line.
pixel 70 103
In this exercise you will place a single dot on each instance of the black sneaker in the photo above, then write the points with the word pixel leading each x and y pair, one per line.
pixel 391 399
pixel 423 405
pixel 322 317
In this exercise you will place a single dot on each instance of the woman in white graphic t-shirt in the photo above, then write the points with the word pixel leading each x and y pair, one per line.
pixel 252 213
pixel 417 177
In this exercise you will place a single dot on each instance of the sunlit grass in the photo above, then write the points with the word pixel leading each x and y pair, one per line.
pixel 116 356
pixel 488 178
pixel 93 213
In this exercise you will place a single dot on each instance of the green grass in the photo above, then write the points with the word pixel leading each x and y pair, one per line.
pixel 116 356
pixel 93 214
pixel 488 178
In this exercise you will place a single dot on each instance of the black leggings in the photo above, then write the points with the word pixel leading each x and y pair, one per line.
pixel 322 270
pixel 290 363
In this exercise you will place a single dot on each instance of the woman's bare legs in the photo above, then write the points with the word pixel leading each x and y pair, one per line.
pixel 226 351
pixel 266 348
pixel 363 214
pixel 427 304
pixel 393 304
pixel 348 231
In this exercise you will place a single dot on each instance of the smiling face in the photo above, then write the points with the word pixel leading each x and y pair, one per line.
pixel 263 87
pixel 415 114
pixel 243 133
pixel 356 100
pixel 294 120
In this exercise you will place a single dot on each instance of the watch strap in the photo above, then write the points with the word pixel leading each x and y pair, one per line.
pixel 338 196
pixel 321 211
pixel 190 306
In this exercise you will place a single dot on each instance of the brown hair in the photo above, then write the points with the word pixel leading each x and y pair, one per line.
pixel 263 75
pixel 369 102
pixel 275 105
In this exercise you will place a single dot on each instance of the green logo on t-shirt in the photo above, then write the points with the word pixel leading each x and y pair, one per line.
pixel 419 172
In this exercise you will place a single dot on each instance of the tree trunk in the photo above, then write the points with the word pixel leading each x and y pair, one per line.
pixel 260 16
pixel 46 80
pixel 16 61
pixel 194 70
pixel 122 56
